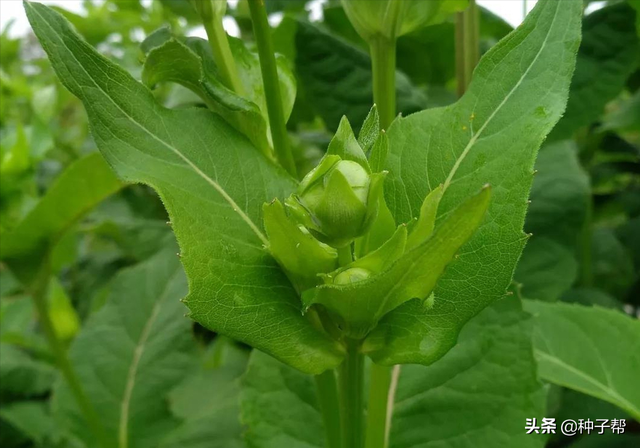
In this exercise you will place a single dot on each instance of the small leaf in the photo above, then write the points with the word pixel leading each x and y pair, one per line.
pixel 423 228
pixel 360 305
pixel 580 348
pixel 345 145
pixel 83 185
pixel 370 130
pixel 189 64
pixel 379 152
pixel 301 255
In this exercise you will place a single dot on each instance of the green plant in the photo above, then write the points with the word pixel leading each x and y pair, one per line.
pixel 396 246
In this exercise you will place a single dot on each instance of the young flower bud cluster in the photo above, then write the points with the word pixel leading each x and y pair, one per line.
pixel 339 208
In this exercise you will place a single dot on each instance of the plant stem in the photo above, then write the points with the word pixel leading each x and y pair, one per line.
pixel 467 45
pixel 378 410
pixel 345 255
pixel 586 269
pixel 327 389
pixel 383 62
pixel 39 295
pixel 271 83
pixel 223 56
pixel 351 383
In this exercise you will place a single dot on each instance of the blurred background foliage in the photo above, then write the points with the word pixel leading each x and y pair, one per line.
pixel 584 214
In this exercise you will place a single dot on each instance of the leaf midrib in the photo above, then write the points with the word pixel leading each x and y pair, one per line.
pixel 477 135
pixel 606 388
pixel 175 150
pixel 123 426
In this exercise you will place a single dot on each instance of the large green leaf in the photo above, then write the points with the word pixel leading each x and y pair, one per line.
pixel 610 51
pixel 279 406
pixel 77 190
pixel 448 404
pixel 589 349
pixel 559 199
pixel 213 183
pixel 491 135
pixel 130 353
pixel 337 78
pixel 208 401
pixel 441 405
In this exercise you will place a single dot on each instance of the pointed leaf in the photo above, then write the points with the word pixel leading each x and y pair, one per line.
pixel 491 135
pixel 423 228
pixel 345 145
pixel 581 348
pixel 169 60
pixel 83 185
pixel 213 183
pixel 130 352
pixel 370 130
pixel 302 256
pixel 360 305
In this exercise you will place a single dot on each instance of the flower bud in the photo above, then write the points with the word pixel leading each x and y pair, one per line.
pixel 393 18
pixel 210 10
pixel 337 201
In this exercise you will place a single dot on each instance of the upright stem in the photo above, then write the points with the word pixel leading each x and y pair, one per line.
pixel 383 61
pixel 378 410
pixel 345 255
pixel 262 33
pixel 586 274
pixel 222 55
pixel 39 295
pixel 351 384
pixel 327 389
pixel 467 45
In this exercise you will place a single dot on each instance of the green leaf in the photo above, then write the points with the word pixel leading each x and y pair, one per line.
pixel 213 183
pixel 32 419
pixel 21 375
pixel 560 198
pixel 589 349
pixel 337 78
pixel 609 53
pixel 626 118
pixel 447 404
pixel 77 190
pixel 491 135
pixel 279 406
pixel 360 305
pixel 130 353
pixel 208 402
pixel 64 317
pixel 441 405
pixel 190 64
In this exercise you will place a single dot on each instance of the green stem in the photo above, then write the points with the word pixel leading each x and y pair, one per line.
pixel 586 274
pixel 383 63
pixel 262 33
pixel 377 412
pixel 467 45
pixel 222 55
pixel 345 255
pixel 351 384
pixel 39 295
pixel 327 389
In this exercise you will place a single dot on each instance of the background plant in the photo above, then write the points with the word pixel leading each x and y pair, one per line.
pixel 135 355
